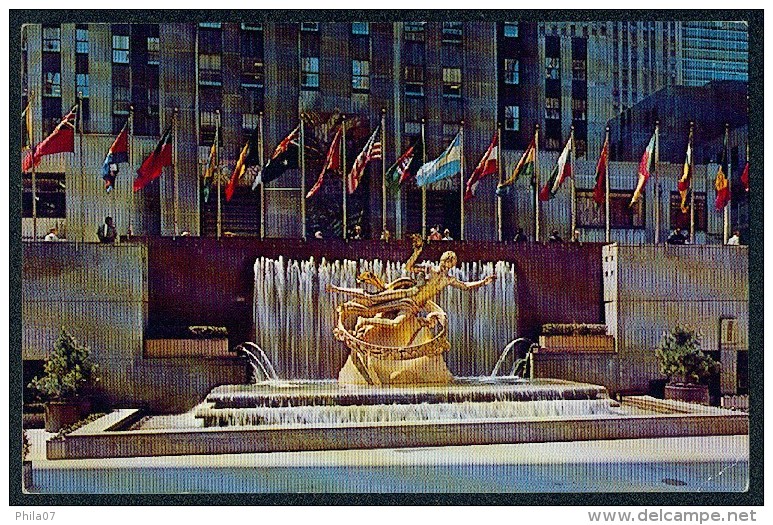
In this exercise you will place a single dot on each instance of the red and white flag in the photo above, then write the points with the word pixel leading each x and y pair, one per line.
pixel 646 167
pixel 488 165
pixel 61 140
pixel 372 150
pixel 600 190
pixel 332 162
pixel 686 180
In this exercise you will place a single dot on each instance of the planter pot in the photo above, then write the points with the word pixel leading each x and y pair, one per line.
pixel 26 470
pixel 689 393
pixel 61 414
pixel 155 348
pixel 577 343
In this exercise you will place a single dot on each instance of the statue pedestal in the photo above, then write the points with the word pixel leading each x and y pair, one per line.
pixel 418 371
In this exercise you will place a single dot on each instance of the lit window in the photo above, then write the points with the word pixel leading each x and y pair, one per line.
pixel 360 75
pixel 153 49
pixel 511 29
pixel 81 40
pixel 452 32
pixel 413 128
pixel 252 27
pixel 51 39
pixel 310 72
pixel 452 82
pixel 310 26
pixel 552 108
pixel 120 49
pixel 512 71
pixel 360 28
pixel 414 30
pixel 211 25
pixel 552 65
pixel 512 118
pixel 82 84
pixel 209 70
pixel 578 69
pixel 414 81
pixel 53 85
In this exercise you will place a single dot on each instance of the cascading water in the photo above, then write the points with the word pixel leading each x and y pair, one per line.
pixel 258 360
pixel 294 316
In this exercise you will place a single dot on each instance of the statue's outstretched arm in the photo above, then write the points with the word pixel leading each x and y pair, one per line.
pixel 456 283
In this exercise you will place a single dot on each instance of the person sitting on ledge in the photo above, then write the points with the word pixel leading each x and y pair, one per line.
pixel 107 232
pixel 735 240
pixel 447 235
pixel 520 236
pixel 555 237
pixel 412 298
pixel 357 233
pixel 52 235
pixel 676 237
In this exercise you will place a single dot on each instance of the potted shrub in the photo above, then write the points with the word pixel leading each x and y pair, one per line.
pixel 68 371
pixel 26 463
pixel 687 368
pixel 575 337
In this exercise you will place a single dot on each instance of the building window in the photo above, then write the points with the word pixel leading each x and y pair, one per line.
pixel 552 65
pixel 209 70
pixel 414 81
pixel 452 82
pixel 360 28
pixel 81 40
pixel 82 84
pixel 414 30
pixel 153 50
pixel 553 108
pixel 579 108
pixel 621 215
pixel 512 118
pixel 52 85
pixel 682 220
pixel 310 73
pixel 310 26
pixel 578 70
pixel 360 75
pixel 252 100
pixel 252 72
pixel 120 49
pixel 452 32
pixel 251 27
pixel 412 128
pixel 50 189
pixel 211 25
pixel 511 29
pixel 52 39
pixel 512 71
pixel 450 129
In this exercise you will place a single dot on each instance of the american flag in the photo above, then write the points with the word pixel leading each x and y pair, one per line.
pixel 372 150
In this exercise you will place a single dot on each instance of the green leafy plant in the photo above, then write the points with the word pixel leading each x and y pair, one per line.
pixel 680 357
pixel 574 329
pixel 25 445
pixel 67 370
pixel 208 332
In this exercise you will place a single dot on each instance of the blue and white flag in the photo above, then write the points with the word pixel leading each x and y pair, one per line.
pixel 446 165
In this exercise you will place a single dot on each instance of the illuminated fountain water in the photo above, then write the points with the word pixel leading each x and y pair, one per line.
pixel 296 315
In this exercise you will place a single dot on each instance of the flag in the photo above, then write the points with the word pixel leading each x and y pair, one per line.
pixel 407 165
pixel 685 182
pixel 446 165
pixel 209 174
pixel 525 165
pixel 646 167
pixel 561 172
pixel 118 153
pixel 723 190
pixel 248 157
pixel 745 177
pixel 153 165
pixel 600 191
pixel 285 157
pixel 332 162
pixel 61 140
pixel 488 164
pixel 372 150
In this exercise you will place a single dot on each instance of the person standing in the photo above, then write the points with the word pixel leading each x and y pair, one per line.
pixel 357 233
pixel 52 235
pixel 520 236
pixel 555 237
pixel 434 234
pixel 735 240
pixel 447 235
pixel 107 232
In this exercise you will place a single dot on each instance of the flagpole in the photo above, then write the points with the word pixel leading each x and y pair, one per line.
pixel 692 186
pixel 174 171
pixel 726 213
pixel 536 183
pixel 262 165
pixel 572 154
pixel 79 120
pixel 302 155
pixel 130 140
pixel 217 174
pixel 608 226
pixel 343 173
pixel 424 187
pixel 500 232
pixel 383 171
pixel 33 149
pixel 657 183
pixel 461 180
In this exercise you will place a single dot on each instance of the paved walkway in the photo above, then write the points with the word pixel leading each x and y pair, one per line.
pixel 691 464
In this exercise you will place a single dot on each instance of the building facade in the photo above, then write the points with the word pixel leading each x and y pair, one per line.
pixel 714 51
pixel 427 79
